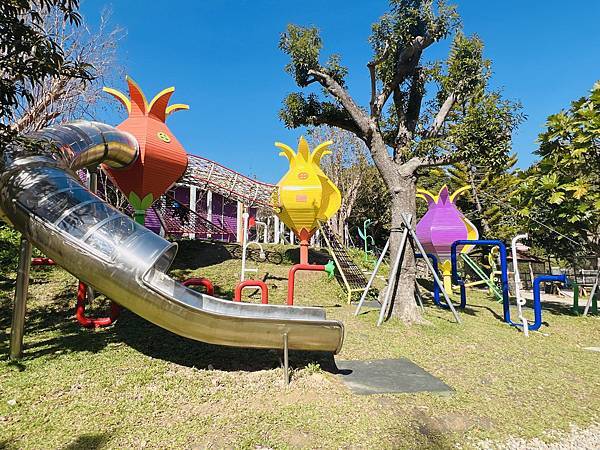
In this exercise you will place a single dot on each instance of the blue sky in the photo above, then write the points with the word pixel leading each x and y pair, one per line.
pixel 223 59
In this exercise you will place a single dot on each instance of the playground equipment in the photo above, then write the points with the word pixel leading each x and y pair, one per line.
pixel 306 195
pixel 366 237
pixel 488 280
pixel 436 287
pixel 406 232
pixel 592 298
pixel 350 274
pixel 205 282
pixel 442 225
pixel 537 302
pixel 84 294
pixel 522 322
pixel 161 161
pixel 245 244
pixel 41 197
pixel 517 275
pixel 237 297
pixel 457 280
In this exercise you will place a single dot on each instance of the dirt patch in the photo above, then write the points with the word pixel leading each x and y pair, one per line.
pixel 430 425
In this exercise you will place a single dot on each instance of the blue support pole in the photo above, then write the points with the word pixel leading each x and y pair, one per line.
pixel 456 279
pixel 537 302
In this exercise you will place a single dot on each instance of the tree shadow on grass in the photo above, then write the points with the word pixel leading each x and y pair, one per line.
pixel 90 441
pixel 193 254
pixel 51 330
pixel 55 319
pixel 314 256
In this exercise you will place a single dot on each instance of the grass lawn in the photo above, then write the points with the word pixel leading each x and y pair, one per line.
pixel 136 385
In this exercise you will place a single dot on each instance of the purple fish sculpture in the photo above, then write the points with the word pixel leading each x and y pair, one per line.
pixel 441 226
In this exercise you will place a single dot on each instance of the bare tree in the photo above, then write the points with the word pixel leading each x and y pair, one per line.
pixel 61 97
pixel 109 192
pixel 346 167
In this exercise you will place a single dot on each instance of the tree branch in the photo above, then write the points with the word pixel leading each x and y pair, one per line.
pixel 408 168
pixel 336 90
pixel 440 117
pixel 344 124
pixel 415 98
pixel 407 61
pixel 442 160
pixel 372 65
pixel 40 109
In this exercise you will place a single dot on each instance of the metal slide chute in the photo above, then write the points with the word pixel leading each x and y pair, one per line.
pixel 42 197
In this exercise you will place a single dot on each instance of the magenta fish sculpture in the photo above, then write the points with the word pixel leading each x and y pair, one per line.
pixel 443 224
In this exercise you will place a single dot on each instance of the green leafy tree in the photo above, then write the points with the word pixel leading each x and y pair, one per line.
pixel 485 202
pixel 405 127
pixel 559 196
pixel 29 54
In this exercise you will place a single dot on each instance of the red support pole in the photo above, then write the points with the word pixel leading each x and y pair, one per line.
pixel 42 262
pixel 292 277
pixel 210 288
pixel 115 309
pixel 304 252
pixel 84 321
pixel 264 290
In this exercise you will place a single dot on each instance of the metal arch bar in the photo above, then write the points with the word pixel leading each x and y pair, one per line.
pixel 65 213
pixel 98 225
pixel 456 279
pixel 210 172
pixel 433 272
pixel 537 302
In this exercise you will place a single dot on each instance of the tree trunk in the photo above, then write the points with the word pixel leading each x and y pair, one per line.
pixel 404 202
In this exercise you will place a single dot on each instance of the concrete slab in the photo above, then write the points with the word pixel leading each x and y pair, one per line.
pixel 388 376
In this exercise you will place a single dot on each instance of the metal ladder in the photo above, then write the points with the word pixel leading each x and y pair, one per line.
pixel 351 276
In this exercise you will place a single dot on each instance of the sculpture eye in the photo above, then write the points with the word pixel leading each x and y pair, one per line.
pixel 163 136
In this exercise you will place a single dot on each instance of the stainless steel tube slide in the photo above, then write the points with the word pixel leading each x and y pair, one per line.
pixel 42 197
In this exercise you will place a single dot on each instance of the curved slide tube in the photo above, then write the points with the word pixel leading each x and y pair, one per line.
pixel 42 197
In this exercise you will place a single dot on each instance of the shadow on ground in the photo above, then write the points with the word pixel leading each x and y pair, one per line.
pixel 51 330
pixel 90 441
pixel 194 254
pixel 156 342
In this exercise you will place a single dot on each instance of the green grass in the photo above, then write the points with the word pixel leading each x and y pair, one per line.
pixel 136 385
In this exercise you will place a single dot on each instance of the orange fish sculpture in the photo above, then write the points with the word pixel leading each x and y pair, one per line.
pixel 162 159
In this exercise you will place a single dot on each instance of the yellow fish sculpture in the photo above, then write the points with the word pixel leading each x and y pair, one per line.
pixel 306 195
